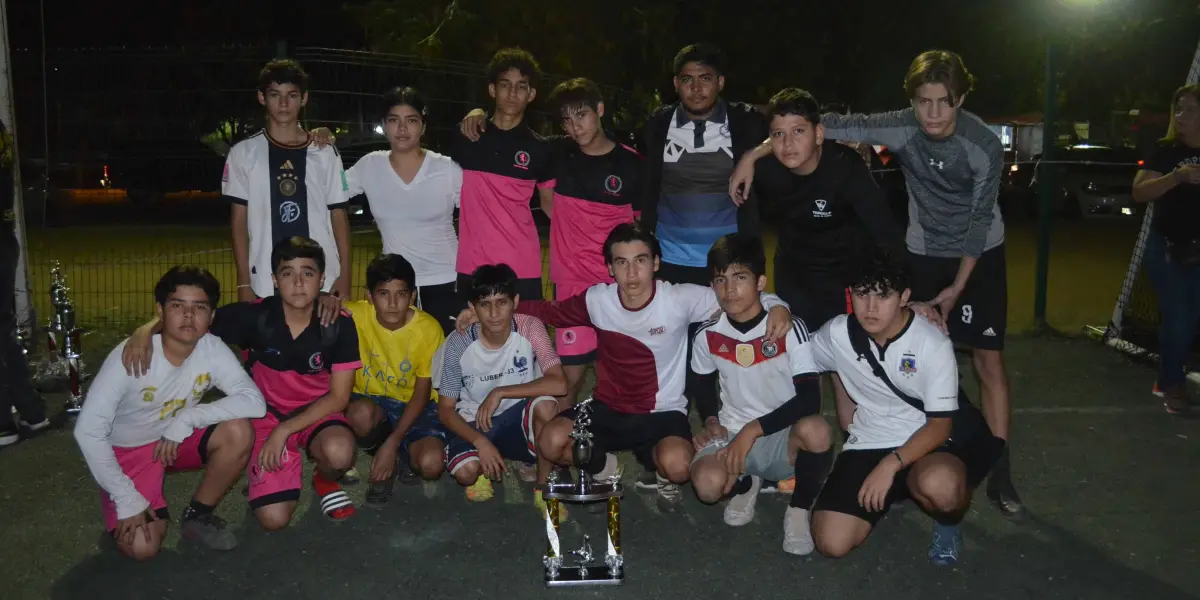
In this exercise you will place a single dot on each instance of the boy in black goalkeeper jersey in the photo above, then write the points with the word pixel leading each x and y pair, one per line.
pixel 826 206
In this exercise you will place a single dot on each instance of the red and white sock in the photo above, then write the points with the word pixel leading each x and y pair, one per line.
pixel 335 502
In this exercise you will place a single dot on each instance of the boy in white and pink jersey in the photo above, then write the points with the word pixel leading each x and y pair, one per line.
pixel 133 430
pixel 500 173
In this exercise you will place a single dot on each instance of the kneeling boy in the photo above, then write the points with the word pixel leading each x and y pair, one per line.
pixel 133 430
pixel 770 399
pixel 394 409
pixel 913 434
pixel 305 370
pixel 499 380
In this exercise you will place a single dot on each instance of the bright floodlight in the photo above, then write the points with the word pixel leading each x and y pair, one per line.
pixel 379 130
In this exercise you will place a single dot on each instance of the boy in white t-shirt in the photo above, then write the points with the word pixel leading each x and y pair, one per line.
pixel 499 380
pixel 913 433
pixel 281 186
pixel 769 425
pixel 133 430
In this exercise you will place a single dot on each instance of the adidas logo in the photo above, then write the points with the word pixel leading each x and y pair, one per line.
pixel 287 166
pixel 723 348
pixel 989 332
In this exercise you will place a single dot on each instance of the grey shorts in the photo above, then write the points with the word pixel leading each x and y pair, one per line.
pixel 768 458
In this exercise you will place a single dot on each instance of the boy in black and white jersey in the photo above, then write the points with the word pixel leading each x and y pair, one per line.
pixel 768 426
pixel 913 433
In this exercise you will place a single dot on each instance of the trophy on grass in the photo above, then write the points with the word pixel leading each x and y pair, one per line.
pixel 576 568
pixel 63 358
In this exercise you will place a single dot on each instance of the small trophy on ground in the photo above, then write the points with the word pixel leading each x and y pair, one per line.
pixel 63 347
pixel 583 490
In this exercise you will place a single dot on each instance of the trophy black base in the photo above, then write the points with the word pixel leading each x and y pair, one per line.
pixel 596 576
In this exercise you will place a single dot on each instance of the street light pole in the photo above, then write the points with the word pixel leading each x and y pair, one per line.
pixel 1045 190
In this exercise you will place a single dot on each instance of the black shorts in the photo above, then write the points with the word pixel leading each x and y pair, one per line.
pixel 615 431
pixel 852 468
pixel 527 289
pixel 980 318
pixel 442 302
pixel 814 297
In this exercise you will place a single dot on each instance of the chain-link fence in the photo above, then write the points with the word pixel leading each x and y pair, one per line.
pixel 135 139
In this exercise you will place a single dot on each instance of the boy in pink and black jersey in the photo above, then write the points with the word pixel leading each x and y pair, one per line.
pixel 500 172
pixel 598 185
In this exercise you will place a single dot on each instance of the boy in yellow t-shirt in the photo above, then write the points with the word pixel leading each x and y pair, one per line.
pixel 393 410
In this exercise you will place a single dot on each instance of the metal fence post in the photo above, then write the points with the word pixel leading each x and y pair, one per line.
pixel 1045 191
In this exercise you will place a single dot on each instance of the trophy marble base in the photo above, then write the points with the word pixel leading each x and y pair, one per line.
pixel 580 577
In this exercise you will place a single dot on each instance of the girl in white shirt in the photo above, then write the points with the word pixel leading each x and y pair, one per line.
pixel 412 193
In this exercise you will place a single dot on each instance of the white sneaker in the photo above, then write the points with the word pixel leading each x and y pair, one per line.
pixel 611 468
pixel 797 533
pixel 527 472
pixel 8 438
pixel 740 510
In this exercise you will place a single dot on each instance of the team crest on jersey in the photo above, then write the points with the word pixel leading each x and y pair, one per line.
pixel 148 394
pixel 287 183
pixel 316 361
pixel 568 337
pixel 744 353
pixel 908 365
pixel 821 212
pixel 612 184
pixel 520 363
pixel 521 160
pixel 770 349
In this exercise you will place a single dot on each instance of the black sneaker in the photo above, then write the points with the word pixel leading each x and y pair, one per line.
pixel 404 471
pixel 1000 489
pixel 379 492
pixel 208 529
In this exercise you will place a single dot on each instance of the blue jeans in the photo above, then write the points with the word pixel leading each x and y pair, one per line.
pixel 1178 290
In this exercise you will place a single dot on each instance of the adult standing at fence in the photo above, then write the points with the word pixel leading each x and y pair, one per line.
pixel 952 164
pixel 1171 179
pixel 281 186
pixel 691 147
pixel 413 193
pixel 15 388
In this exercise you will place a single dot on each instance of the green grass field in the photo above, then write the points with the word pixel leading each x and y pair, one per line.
pixel 112 270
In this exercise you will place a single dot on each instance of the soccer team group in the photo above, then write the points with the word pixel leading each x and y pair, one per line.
pixel 659 273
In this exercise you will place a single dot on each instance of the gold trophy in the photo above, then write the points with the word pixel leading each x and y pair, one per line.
pixel 583 490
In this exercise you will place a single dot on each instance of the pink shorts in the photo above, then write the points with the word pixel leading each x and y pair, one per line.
pixel 284 485
pixel 575 345
pixel 147 474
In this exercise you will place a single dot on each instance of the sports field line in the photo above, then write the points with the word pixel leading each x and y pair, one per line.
pixel 225 250
pixel 1150 407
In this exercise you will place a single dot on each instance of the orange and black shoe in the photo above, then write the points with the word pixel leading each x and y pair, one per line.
pixel 335 502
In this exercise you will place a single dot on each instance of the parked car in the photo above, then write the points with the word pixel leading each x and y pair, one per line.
pixel 151 170
pixel 1088 181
